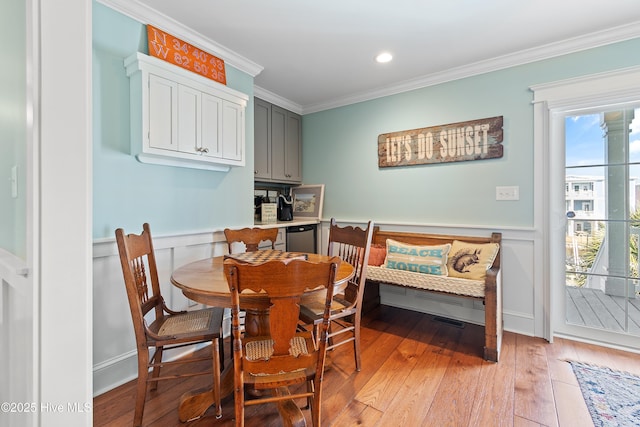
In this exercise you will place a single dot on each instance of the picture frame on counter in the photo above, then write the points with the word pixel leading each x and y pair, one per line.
pixel 308 201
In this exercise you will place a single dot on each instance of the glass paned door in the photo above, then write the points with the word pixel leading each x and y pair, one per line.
pixel 602 199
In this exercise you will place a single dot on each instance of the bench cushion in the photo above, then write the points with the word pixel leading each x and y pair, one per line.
pixel 452 285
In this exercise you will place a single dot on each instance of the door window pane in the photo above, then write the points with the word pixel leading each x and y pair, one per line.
pixel 602 186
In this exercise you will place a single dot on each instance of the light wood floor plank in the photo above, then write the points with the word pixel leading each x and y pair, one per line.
pixel 533 390
pixel 494 403
pixel 572 410
pixel 416 372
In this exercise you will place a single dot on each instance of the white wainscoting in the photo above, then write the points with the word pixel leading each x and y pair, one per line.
pixel 114 345
pixel 18 362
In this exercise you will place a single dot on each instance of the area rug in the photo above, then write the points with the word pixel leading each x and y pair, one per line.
pixel 613 397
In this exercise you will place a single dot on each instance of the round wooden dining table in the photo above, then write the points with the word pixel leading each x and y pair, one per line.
pixel 204 281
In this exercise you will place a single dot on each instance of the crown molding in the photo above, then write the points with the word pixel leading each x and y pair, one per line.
pixel 276 99
pixel 146 15
pixel 551 50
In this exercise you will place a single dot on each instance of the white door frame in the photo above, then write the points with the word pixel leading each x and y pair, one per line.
pixel 59 210
pixel 551 102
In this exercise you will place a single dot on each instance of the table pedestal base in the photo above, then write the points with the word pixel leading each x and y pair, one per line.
pixel 291 415
pixel 194 404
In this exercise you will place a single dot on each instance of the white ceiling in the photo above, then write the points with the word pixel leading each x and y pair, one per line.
pixel 319 54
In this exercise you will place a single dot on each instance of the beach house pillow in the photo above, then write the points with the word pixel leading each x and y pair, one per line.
pixel 419 259
pixel 377 254
pixel 471 260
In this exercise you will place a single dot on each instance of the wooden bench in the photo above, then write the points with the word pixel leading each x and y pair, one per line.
pixel 488 290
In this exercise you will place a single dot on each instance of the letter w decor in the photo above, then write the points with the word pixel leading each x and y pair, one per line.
pixel 456 142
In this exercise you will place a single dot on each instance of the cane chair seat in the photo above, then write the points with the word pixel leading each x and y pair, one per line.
pixel 201 321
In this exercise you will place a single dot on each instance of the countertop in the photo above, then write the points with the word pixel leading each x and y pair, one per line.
pixel 296 221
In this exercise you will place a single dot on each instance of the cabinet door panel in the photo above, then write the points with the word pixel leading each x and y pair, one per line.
pixel 163 121
pixel 262 139
pixel 278 147
pixel 211 125
pixel 232 130
pixel 188 119
pixel 293 152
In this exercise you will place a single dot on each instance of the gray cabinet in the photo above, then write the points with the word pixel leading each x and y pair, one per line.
pixel 278 144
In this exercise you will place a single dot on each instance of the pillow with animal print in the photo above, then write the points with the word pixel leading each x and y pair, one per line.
pixel 419 259
pixel 471 260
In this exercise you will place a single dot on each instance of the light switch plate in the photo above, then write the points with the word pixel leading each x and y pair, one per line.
pixel 508 193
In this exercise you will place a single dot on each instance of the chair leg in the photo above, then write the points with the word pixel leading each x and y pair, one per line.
pixel 316 405
pixel 238 392
pixel 221 350
pixel 157 358
pixel 216 377
pixel 141 387
pixel 310 398
pixel 329 332
pixel 356 341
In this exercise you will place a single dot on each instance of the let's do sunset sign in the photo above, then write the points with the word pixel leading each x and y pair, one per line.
pixel 178 52
pixel 473 140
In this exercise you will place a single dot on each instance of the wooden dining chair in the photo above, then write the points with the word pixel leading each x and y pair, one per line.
pixel 351 244
pixel 251 237
pixel 285 357
pixel 163 329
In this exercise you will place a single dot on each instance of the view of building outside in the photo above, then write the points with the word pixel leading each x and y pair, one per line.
pixel 602 198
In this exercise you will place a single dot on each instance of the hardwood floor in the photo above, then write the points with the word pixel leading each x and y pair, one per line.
pixel 415 372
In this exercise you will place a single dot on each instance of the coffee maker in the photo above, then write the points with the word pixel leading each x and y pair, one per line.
pixel 285 208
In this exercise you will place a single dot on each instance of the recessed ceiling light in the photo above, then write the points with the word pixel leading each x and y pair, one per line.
pixel 384 57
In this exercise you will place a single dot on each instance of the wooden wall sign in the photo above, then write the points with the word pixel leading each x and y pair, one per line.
pixel 456 142
pixel 171 49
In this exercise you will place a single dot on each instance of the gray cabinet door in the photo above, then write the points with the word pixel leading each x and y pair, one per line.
pixel 293 148
pixel 278 143
pixel 262 139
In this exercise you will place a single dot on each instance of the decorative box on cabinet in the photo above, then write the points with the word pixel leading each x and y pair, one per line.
pixel 179 118
pixel 277 144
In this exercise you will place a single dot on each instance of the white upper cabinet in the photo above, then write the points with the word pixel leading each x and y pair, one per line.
pixel 179 118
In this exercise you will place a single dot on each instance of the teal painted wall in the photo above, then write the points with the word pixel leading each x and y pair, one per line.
pixel 127 193
pixel 13 126
pixel 340 147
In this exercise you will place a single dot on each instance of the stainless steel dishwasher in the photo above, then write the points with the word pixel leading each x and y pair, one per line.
pixel 302 238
